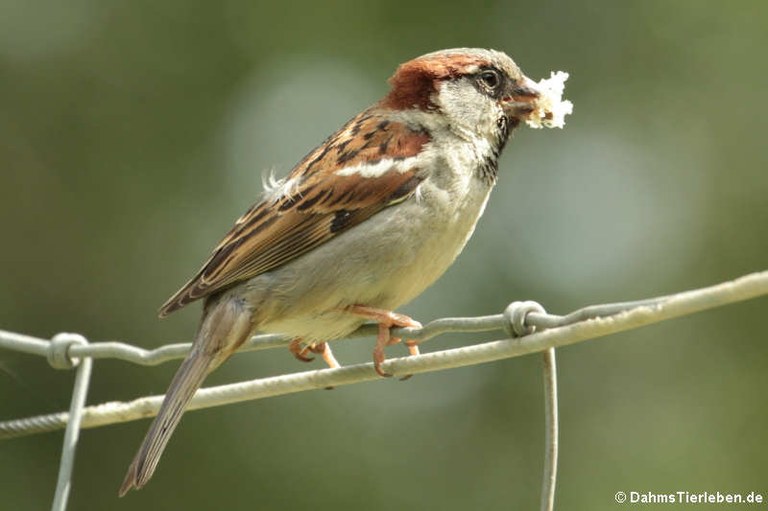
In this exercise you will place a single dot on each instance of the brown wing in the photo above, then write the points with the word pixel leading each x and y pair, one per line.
pixel 316 208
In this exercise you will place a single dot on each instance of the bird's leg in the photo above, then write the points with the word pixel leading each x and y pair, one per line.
pixel 386 320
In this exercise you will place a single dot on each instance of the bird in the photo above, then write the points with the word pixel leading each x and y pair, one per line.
pixel 363 224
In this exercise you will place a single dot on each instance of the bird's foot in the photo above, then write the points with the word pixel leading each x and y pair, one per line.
pixel 386 320
pixel 299 350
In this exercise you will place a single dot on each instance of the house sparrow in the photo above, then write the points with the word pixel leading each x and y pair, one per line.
pixel 363 224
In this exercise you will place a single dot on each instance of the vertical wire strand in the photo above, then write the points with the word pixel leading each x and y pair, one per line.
pixel 79 394
pixel 551 431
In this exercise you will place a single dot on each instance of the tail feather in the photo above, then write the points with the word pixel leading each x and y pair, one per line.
pixel 185 383
pixel 225 326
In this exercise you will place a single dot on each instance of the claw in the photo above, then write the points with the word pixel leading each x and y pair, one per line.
pixel 299 351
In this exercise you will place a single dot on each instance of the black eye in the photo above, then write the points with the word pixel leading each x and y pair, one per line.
pixel 489 79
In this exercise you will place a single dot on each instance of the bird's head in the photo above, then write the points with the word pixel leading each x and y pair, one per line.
pixel 475 92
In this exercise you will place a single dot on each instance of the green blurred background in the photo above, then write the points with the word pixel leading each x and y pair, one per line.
pixel 133 133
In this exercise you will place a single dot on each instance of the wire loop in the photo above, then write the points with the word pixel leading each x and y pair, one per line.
pixel 515 315
pixel 58 351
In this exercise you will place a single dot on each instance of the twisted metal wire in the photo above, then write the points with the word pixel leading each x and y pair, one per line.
pixel 550 331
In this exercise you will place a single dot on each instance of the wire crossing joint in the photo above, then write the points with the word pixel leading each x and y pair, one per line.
pixel 58 351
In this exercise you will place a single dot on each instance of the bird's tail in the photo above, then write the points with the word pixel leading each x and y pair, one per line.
pixel 188 379
pixel 222 331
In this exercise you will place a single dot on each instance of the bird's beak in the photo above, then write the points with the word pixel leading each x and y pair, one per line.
pixel 521 98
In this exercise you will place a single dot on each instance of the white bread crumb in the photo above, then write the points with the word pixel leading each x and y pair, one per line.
pixel 551 109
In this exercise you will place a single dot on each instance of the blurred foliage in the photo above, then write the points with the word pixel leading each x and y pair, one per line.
pixel 133 133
